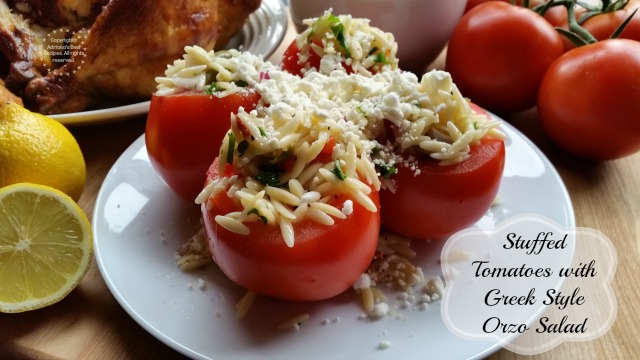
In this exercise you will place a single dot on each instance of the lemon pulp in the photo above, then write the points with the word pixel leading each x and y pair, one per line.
pixel 45 246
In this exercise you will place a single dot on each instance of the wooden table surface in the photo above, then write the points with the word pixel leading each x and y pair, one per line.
pixel 90 324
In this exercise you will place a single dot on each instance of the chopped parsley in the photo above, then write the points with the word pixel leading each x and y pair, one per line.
pixel 381 59
pixel 337 171
pixel 338 30
pixel 255 211
pixel 269 175
pixel 232 146
pixel 213 88
pixel 262 132
pixel 386 170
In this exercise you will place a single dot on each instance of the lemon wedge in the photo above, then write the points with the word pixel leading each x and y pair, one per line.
pixel 46 246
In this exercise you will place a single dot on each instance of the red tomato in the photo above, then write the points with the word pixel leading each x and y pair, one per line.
pixel 323 262
pixel 603 26
pixel 589 100
pixel 290 60
pixel 498 54
pixel 184 133
pixel 291 64
pixel 442 200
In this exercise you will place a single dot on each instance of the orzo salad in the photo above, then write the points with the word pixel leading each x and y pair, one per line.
pixel 338 147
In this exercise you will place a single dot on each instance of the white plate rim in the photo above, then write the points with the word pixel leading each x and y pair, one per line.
pixel 481 349
pixel 261 35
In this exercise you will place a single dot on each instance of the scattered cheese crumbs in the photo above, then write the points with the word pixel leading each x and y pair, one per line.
pixel 364 281
pixel 201 284
pixel 380 309
pixel 293 323
pixel 384 345
pixel 347 207
pixel 434 288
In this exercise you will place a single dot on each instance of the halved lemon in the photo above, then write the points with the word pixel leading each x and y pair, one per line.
pixel 46 246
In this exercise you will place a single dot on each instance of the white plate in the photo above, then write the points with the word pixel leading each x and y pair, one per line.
pixel 139 223
pixel 261 35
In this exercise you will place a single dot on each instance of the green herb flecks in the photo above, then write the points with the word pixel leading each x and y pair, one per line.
pixel 269 175
pixel 338 31
pixel 241 83
pixel 231 148
pixel 242 147
pixel 337 171
pixel 255 211
pixel 381 59
pixel 211 89
pixel 262 132
pixel 386 170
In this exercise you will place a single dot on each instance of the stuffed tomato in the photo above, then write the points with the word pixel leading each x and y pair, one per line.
pixel 321 259
pixel 431 201
pixel 448 180
pixel 340 42
pixel 189 116
pixel 291 212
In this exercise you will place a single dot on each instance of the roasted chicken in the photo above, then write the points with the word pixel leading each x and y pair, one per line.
pixel 117 57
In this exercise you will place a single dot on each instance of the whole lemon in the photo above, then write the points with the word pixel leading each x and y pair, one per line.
pixel 40 150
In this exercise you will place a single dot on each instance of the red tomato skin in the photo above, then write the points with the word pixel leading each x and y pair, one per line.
pixel 589 100
pixel 324 261
pixel 604 25
pixel 442 200
pixel 498 54
pixel 290 60
pixel 184 132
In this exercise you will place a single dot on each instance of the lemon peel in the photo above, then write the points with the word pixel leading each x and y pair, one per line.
pixel 38 149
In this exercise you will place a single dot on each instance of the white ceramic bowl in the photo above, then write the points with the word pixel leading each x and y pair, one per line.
pixel 421 27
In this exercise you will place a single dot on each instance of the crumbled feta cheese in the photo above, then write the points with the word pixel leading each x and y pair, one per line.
pixel 347 207
pixel 380 309
pixel 364 281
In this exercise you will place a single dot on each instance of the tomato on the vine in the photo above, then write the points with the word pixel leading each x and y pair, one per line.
pixel 323 262
pixel 184 132
pixel 589 100
pixel 498 54
pixel 441 200
pixel 602 26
